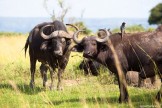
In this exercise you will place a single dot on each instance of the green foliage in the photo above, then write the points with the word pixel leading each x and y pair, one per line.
pixel 156 15
pixel 81 25
pixel 106 78
pixel 150 29
pixel 133 29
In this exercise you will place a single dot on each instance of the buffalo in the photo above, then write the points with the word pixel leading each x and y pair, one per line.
pixel 141 52
pixel 49 43
pixel 90 67
pixel 133 79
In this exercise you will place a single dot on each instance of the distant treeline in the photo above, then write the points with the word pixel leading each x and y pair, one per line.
pixel 129 29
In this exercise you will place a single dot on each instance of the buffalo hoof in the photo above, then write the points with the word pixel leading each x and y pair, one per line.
pixel 126 100
pixel 158 97
pixel 45 84
pixel 52 88
pixel 60 88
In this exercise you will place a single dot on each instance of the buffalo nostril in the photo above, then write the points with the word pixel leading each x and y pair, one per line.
pixel 88 53
pixel 58 52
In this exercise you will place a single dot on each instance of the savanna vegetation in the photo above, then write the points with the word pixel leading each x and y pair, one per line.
pixel 79 90
pixel 155 14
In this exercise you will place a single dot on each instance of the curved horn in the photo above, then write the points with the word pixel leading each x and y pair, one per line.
pixel 61 33
pixel 43 35
pixel 106 37
pixel 73 26
pixel 75 37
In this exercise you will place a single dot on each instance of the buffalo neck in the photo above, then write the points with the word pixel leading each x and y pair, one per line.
pixel 104 57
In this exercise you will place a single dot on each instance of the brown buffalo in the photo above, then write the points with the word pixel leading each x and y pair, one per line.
pixel 140 52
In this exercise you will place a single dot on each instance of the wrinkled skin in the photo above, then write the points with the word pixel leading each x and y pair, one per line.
pixel 140 52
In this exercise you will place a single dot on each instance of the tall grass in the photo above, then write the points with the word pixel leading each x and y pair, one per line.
pixel 79 90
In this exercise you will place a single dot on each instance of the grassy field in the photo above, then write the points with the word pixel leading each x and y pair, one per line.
pixel 79 90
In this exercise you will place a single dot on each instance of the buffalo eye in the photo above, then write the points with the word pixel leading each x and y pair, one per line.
pixel 68 42
pixel 94 43
pixel 103 47
pixel 62 40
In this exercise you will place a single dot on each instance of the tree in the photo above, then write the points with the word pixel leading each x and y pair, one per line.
pixel 81 25
pixel 156 15
pixel 63 10
pixel 60 11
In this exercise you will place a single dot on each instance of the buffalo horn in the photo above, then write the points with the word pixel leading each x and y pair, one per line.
pixel 43 35
pixel 73 26
pixel 61 33
pixel 56 33
pixel 106 37
pixel 75 37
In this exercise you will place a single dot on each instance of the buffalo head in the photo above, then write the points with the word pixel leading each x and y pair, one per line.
pixel 56 42
pixel 90 45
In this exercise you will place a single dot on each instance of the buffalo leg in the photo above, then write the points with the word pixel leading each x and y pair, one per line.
pixel 159 94
pixel 93 67
pixel 153 80
pixel 32 70
pixel 52 74
pixel 141 82
pixel 124 97
pixel 86 68
pixel 43 70
pixel 59 85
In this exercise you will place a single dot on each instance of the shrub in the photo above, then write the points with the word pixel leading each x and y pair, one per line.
pixel 81 26
pixel 133 29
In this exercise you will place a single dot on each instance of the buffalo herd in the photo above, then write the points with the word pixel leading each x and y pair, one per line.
pixel 51 44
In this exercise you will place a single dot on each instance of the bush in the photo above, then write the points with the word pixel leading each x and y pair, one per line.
pixel 81 26
pixel 156 15
pixel 133 29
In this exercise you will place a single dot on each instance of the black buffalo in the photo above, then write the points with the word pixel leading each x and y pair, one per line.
pixel 90 67
pixel 133 79
pixel 140 52
pixel 49 43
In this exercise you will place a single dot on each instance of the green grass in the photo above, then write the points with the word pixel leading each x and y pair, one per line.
pixel 79 90
pixel 133 29
pixel 88 93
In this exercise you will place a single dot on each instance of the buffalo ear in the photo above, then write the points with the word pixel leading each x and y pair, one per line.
pixel 46 46
pixel 103 47
pixel 77 48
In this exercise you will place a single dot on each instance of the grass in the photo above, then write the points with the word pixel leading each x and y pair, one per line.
pixel 133 29
pixel 79 90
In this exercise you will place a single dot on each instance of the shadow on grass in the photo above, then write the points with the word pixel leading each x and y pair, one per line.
pixel 23 88
pixel 137 100
pixel 99 100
